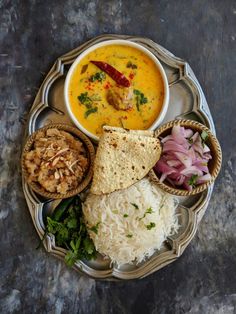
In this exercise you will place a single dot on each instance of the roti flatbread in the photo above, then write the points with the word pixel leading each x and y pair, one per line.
pixel 123 157
pixel 109 129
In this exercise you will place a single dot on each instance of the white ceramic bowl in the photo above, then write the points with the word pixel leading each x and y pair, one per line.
pixel 161 115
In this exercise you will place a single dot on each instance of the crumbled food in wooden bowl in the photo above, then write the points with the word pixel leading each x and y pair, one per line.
pixel 57 161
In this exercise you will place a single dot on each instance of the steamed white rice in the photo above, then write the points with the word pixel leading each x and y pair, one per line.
pixel 125 233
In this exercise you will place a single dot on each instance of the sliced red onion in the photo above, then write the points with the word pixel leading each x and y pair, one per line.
pixel 206 149
pixel 167 138
pixel 180 180
pixel 184 160
pixel 203 179
pixel 172 146
pixel 162 167
pixel 202 166
pixel 187 186
pixel 174 163
pixel 191 170
pixel 188 133
pixel 194 137
pixel 163 177
pixel 207 156
pixel 192 155
pixel 178 134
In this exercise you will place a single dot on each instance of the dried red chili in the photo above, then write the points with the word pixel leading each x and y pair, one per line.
pixel 117 76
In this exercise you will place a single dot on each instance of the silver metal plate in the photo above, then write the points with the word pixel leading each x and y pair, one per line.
pixel 186 101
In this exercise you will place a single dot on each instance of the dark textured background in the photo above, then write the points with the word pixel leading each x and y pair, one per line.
pixel 32 35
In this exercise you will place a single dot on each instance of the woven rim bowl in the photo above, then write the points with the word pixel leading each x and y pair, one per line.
pixel 214 164
pixel 91 155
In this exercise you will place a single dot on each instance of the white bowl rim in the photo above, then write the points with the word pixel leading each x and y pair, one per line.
pixel 123 42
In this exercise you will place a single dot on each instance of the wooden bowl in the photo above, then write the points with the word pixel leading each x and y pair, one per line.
pixel 90 153
pixel 214 164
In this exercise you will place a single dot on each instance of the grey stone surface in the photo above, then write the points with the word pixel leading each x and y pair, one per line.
pixel 32 35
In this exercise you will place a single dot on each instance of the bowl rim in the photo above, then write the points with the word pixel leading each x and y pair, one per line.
pixel 124 42
pixel 91 156
pixel 218 157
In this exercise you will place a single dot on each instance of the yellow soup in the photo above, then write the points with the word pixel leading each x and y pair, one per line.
pixel 97 100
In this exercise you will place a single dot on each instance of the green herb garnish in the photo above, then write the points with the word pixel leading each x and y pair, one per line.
pixel 193 180
pixel 99 76
pixel 125 215
pixel 58 229
pixel 131 65
pixel 72 223
pixel 95 228
pixel 70 231
pixel 151 225
pixel 148 211
pixel 190 140
pixel 129 235
pixel 89 111
pixel 204 135
pixel 135 205
pixel 85 100
pixel 88 245
pixel 95 97
pixel 140 98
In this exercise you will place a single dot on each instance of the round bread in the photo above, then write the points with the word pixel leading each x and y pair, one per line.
pixel 123 158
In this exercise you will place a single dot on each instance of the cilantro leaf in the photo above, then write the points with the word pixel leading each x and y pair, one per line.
pixel 190 140
pixel 135 205
pixel 89 111
pixel 88 245
pixel 99 76
pixel 72 223
pixel 58 229
pixel 193 180
pixel 71 233
pixel 151 225
pixel 148 211
pixel 70 258
pixel 85 100
pixel 96 97
pixel 204 137
pixel 62 236
pixel 129 235
pixel 77 244
pixel 140 98
pixel 95 228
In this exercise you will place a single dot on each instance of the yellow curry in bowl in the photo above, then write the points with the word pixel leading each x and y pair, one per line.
pixel 116 85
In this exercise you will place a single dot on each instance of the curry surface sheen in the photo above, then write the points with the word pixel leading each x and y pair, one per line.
pixel 143 75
